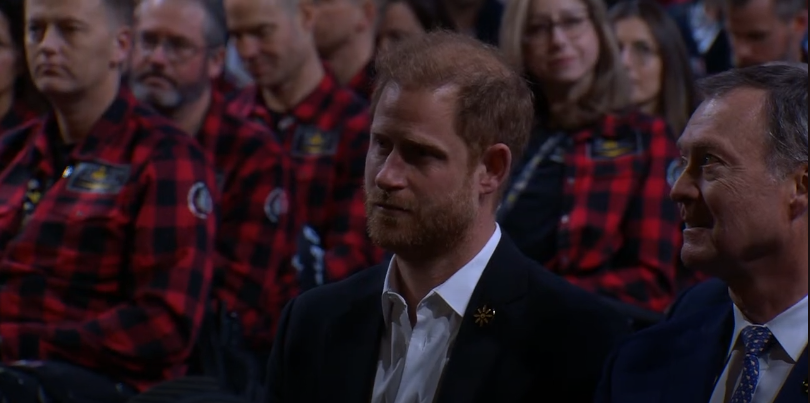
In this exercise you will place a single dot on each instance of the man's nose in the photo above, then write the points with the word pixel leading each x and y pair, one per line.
pixel 392 173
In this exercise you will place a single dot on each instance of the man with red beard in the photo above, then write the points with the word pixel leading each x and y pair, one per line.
pixel 458 302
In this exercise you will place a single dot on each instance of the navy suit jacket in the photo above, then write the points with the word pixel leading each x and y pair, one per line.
pixel 547 342
pixel 680 360
pixel 697 298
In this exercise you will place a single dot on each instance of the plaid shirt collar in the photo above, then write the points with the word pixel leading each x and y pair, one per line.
pixel 308 109
pixel 212 122
pixel 110 132
pixel 363 82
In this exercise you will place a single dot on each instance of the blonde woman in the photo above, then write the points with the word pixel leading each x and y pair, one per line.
pixel 590 199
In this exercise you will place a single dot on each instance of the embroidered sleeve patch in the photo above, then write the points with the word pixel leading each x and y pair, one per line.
pixel 311 141
pixel 96 177
pixel 200 202
pixel 276 204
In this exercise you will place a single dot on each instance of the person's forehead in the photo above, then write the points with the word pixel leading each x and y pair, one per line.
pixel 731 121
pixel 249 13
pixel 421 114
pixel 180 16
pixel 80 10
pixel 752 12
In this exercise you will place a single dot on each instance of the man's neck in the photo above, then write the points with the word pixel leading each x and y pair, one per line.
pixel 773 287
pixel 417 277
pixel 76 117
pixel 191 117
pixel 287 95
pixel 464 16
pixel 348 60
pixel 6 99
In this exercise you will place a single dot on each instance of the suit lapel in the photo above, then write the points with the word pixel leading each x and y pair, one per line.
pixel 353 343
pixel 699 356
pixel 794 389
pixel 477 345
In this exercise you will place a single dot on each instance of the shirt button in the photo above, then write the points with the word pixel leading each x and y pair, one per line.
pixel 571 181
pixel 564 219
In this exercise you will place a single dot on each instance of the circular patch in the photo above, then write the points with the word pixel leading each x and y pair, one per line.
pixel 200 202
pixel 276 204
pixel 674 171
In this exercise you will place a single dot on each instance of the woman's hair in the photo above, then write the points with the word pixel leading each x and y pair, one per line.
pixel 678 98
pixel 24 88
pixel 608 92
pixel 431 14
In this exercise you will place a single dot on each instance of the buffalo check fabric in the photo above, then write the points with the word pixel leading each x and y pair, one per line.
pixel 327 135
pixel 255 239
pixel 113 268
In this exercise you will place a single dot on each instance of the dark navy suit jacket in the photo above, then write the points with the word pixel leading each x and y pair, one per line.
pixel 679 361
pixel 547 342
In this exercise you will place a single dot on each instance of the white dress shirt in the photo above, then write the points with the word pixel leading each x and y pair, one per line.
pixel 789 329
pixel 412 360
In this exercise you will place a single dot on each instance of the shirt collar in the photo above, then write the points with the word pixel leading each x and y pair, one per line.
pixel 789 328
pixel 311 106
pixel 457 290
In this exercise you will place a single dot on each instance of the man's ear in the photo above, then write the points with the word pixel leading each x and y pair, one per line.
pixel 123 46
pixel 216 62
pixel 307 15
pixel 800 23
pixel 799 198
pixel 370 12
pixel 497 162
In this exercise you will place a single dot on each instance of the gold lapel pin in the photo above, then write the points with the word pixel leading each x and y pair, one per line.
pixel 484 316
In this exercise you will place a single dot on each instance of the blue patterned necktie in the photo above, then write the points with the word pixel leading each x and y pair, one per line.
pixel 756 340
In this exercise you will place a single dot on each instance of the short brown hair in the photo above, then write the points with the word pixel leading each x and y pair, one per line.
pixel 493 104
pixel 785 107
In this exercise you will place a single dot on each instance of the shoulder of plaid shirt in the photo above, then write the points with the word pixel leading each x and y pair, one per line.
pixel 128 274
pixel 256 234
pixel 347 246
pixel 624 230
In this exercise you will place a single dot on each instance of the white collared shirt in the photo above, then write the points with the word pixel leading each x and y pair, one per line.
pixel 412 360
pixel 789 329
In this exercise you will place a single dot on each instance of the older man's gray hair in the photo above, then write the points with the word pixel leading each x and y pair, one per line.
pixel 785 107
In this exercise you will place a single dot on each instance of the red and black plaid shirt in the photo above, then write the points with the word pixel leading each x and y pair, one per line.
pixel 363 82
pixel 327 136
pixel 16 116
pixel 620 233
pixel 112 268
pixel 255 239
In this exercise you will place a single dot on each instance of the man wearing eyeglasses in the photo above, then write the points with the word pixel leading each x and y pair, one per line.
pixel 179 50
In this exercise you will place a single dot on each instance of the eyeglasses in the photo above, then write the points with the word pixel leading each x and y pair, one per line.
pixel 571 26
pixel 177 50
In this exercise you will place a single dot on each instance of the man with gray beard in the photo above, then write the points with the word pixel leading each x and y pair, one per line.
pixel 459 315
pixel 179 49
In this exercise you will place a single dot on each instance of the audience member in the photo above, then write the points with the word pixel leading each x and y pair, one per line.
pixel 344 34
pixel 743 195
pixel 459 315
pixel 323 125
pixel 764 31
pixel 478 18
pixel 107 221
pixel 402 19
pixel 701 26
pixel 179 50
pixel 586 197
pixel 656 61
